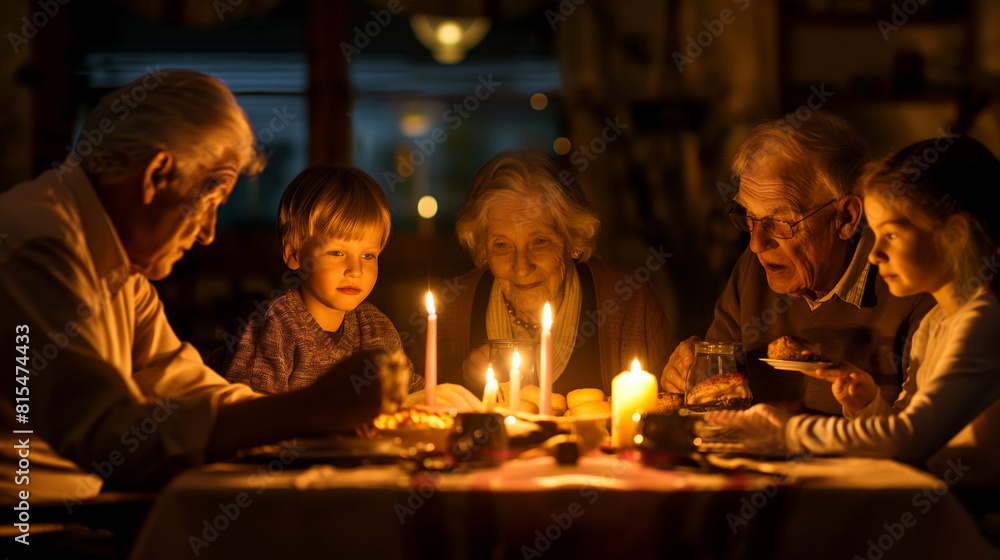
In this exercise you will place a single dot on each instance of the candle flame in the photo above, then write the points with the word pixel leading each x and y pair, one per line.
pixel 489 374
pixel 547 317
pixel 516 362
pixel 636 368
pixel 430 304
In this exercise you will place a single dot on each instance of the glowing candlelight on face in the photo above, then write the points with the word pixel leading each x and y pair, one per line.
pixel 545 373
pixel 632 393
pixel 430 366
pixel 515 382
pixel 490 392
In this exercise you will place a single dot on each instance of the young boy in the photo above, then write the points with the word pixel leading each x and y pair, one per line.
pixel 333 221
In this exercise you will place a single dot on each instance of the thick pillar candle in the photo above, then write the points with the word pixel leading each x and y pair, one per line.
pixel 632 393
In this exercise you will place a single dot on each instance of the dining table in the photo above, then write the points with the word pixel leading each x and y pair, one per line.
pixel 289 503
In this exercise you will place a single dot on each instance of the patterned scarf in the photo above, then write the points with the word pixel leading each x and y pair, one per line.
pixel 564 322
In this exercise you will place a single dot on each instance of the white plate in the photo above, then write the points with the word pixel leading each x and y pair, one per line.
pixel 789 365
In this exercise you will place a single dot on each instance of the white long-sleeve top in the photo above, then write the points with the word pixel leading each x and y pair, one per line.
pixel 949 409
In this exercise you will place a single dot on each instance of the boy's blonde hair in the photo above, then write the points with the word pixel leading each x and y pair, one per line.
pixel 337 200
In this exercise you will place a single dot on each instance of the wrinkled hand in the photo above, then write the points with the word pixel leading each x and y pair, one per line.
pixel 762 424
pixel 853 388
pixel 474 366
pixel 448 395
pixel 676 370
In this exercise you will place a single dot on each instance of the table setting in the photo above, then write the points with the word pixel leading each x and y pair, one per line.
pixel 524 472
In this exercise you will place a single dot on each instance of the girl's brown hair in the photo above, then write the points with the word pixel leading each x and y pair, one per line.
pixel 938 179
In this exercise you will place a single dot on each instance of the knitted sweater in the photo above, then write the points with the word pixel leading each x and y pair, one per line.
pixel 287 349
pixel 874 337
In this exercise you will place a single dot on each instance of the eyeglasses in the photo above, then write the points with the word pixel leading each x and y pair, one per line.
pixel 778 229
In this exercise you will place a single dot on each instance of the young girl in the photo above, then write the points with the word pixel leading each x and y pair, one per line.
pixel 932 207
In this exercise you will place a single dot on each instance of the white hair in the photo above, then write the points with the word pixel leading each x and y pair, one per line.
pixel 189 114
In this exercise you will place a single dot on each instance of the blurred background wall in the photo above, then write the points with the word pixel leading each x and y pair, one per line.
pixel 645 101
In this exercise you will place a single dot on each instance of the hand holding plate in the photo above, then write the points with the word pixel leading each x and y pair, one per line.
pixel 853 387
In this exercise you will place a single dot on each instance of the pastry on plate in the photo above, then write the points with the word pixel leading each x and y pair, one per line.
pixel 729 390
pixel 794 349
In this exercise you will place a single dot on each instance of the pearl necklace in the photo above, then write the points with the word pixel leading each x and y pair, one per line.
pixel 530 327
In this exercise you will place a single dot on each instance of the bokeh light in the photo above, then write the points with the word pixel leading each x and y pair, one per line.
pixel 414 124
pixel 561 146
pixel 449 33
pixel 427 206
pixel 539 101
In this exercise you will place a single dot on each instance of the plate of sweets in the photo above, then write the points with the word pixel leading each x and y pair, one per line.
pixel 792 353
pixel 415 426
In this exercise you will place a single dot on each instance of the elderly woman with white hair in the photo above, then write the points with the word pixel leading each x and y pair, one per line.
pixel 528 227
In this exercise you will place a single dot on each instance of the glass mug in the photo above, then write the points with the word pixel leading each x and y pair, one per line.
pixel 711 359
pixel 502 356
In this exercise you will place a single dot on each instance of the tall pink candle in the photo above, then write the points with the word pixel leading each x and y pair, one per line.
pixel 545 373
pixel 431 365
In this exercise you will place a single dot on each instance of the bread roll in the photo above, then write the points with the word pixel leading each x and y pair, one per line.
pixel 530 393
pixel 527 406
pixel 558 404
pixel 577 397
pixel 590 408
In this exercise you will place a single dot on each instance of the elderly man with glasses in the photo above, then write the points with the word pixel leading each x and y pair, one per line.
pixel 806 271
